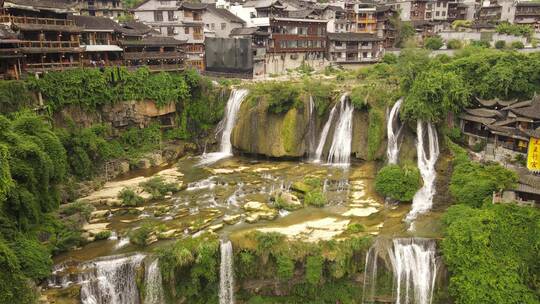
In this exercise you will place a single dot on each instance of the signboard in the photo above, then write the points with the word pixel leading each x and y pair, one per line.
pixel 533 155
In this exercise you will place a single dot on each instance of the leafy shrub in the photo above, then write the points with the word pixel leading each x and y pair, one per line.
pixel 376 131
pixel 398 183
pixel 34 258
pixel 280 96
pixel 315 198
pixel 285 267
pixel 500 44
pixel 158 188
pixel 389 59
pixel 481 43
pixel 140 236
pixel 454 44
pixel 517 45
pixel 479 146
pixel 356 228
pixel 83 208
pixel 472 183
pixel 14 96
pixel 130 198
pixel 103 235
pixel 13 284
pixel 492 253
pixel 433 43
pixel 514 29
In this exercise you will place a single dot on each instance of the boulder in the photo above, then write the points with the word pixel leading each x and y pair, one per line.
pixel 255 206
pixel 288 201
pixel 232 219
pixel 300 187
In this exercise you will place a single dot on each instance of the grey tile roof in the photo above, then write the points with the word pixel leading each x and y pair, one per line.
pixel 225 14
pixel 353 37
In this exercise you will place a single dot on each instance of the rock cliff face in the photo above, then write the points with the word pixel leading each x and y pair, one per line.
pixel 286 135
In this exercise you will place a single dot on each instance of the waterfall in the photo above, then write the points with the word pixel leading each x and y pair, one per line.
pixel 226 127
pixel 423 199
pixel 415 268
pixel 340 150
pixel 226 274
pixel 111 280
pixel 324 135
pixel 311 136
pixel 153 284
pixel 392 150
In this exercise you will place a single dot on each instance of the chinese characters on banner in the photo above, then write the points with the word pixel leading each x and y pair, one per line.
pixel 533 155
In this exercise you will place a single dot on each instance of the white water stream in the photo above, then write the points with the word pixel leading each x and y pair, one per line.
pixel 153 284
pixel 226 274
pixel 111 280
pixel 392 150
pixel 324 135
pixel 340 150
pixel 226 127
pixel 423 199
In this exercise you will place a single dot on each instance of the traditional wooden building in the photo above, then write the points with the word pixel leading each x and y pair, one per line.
pixel 528 13
pixel 354 48
pixel 10 54
pixel 505 127
pixel 49 40
pixel 99 38
pixel 386 29
pixel 156 53
pixel 101 8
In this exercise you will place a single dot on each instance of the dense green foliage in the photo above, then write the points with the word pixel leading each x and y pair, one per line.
pixel 158 187
pixel 433 43
pixel 190 269
pixel 501 44
pixel 14 95
pixel 493 254
pixel 376 131
pixel 91 88
pixel 32 164
pixel 398 183
pixel 517 45
pixel 130 198
pixel 473 183
pixel 454 44
pixel 279 96
pixel 514 29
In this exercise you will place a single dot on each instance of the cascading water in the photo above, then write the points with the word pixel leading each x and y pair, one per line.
pixel 415 268
pixel 153 284
pixel 311 136
pixel 392 150
pixel 340 150
pixel 324 135
pixel 423 199
pixel 226 126
pixel 226 274
pixel 414 265
pixel 111 280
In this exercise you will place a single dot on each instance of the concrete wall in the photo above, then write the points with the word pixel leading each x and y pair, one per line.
pixel 229 55
pixel 279 63
pixel 470 36
pixel 214 23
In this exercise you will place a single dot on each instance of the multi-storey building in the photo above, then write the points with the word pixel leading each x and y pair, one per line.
pixel 386 29
pixel 294 42
pixel 99 39
pixel 10 55
pixel 48 39
pixel 220 22
pixel 528 12
pixel 156 53
pixel 354 47
pixel 101 8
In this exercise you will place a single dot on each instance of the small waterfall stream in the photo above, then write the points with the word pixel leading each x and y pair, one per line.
pixel 311 135
pixel 414 265
pixel 392 150
pixel 153 284
pixel 111 280
pixel 340 150
pixel 226 127
pixel 324 135
pixel 423 199
pixel 226 274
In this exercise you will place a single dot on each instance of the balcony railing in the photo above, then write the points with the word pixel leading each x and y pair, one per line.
pixel 153 55
pixel 52 65
pixel 50 44
pixel 198 37
pixel 35 20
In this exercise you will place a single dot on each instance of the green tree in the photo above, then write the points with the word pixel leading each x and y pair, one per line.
pixel 454 44
pixel 398 183
pixel 433 43
pixel 434 94
pixel 500 44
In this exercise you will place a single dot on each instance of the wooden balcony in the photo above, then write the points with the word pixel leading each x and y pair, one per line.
pixel 366 20
pixel 153 55
pixel 51 66
pixel 35 20
pixel 50 44
pixel 198 37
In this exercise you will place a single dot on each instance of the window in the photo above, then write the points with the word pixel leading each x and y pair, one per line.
pixel 437 13
pixel 291 44
pixel 197 30
pixel 223 26
pixel 438 4
pixel 338 43
pixel 158 16
pixel 186 30
pixel 443 13
pixel 188 14
pixel 213 26
pixel 170 15
pixel 170 31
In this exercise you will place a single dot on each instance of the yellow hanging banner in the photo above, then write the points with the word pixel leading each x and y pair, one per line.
pixel 533 155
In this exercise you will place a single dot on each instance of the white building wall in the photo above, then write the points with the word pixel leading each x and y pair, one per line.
pixel 279 63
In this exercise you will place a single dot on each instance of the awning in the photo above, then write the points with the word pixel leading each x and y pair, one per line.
pixel 103 48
